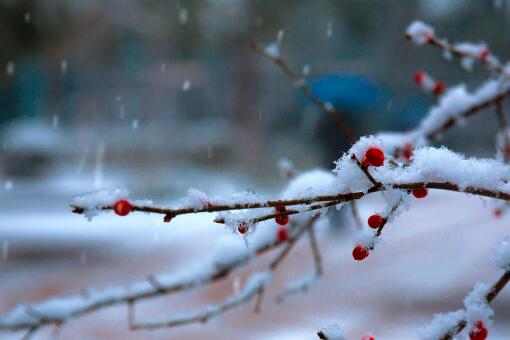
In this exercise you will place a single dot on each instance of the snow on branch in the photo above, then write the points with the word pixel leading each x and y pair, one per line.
pixel 428 84
pixel 397 165
pixel 226 258
pixel 432 168
pixel 423 34
pixel 476 315
pixel 331 332
pixel 254 286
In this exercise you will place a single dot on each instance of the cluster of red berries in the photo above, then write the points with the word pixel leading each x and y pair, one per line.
pixel 426 82
pixel 373 157
pixel 479 331
pixel 122 207
pixel 368 337
pixel 282 234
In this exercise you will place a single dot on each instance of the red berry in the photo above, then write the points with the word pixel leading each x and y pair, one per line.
pixel 242 228
pixel 280 209
pixel 407 152
pixel 420 192
pixel 282 219
pixel 374 157
pixel 360 252
pixel 282 234
pixel 419 77
pixel 498 212
pixel 122 207
pixel 485 54
pixel 168 218
pixel 438 88
pixel 479 331
pixel 375 221
pixel 368 337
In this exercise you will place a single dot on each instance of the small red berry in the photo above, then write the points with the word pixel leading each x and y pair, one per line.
pixel 242 228
pixel 360 252
pixel 479 332
pixel 485 54
pixel 375 221
pixel 122 207
pixel 407 152
pixel 419 77
pixel 438 88
pixel 368 337
pixel 168 218
pixel 282 219
pixel 282 234
pixel 280 209
pixel 420 192
pixel 373 157
pixel 498 212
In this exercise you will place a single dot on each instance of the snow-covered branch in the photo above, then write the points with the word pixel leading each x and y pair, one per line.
pixel 431 168
pixel 423 34
pixel 477 314
pixel 227 257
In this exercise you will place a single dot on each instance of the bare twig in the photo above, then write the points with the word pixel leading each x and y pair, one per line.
pixel 315 250
pixel 503 128
pixel 30 333
pixel 300 83
pixel 305 283
pixel 321 335
pixel 355 215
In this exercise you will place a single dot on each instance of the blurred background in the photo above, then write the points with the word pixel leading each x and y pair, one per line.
pixel 160 96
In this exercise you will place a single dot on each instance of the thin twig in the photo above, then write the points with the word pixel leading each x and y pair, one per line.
pixel 229 303
pixel 30 333
pixel 355 215
pixel 503 127
pixel 365 171
pixel 305 283
pixel 315 250
pixel 378 233
pixel 300 83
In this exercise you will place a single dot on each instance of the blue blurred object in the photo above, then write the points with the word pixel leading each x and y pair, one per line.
pixel 350 92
